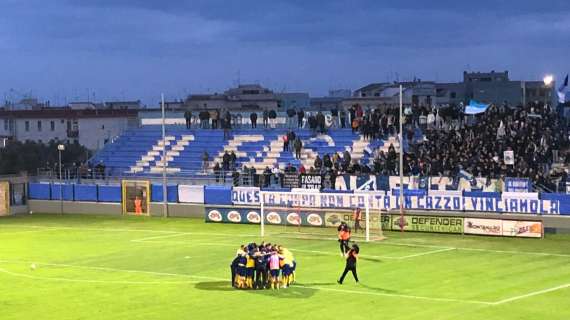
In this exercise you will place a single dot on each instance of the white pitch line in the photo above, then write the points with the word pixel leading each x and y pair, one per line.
pixel 21 275
pixel 394 295
pixel 159 237
pixel 10 233
pixel 518 252
pixel 277 236
pixel 425 253
pixel 112 269
pixel 532 294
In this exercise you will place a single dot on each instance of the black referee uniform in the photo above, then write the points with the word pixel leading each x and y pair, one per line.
pixel 351 259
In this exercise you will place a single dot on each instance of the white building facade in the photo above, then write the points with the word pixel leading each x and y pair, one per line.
pixel 90 128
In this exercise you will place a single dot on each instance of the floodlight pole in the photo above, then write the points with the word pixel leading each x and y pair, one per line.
pixel 401 164
pixel 367 208
pixel 164 187
pixel 262 213
pixel 60 149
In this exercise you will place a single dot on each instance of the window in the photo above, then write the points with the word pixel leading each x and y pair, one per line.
pixel 40 125
pixel 52 125
pixel 27 125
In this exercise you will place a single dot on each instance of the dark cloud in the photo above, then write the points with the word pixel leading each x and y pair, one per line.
pixel 145 46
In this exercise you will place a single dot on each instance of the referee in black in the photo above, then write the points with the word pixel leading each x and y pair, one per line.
pixel 351 259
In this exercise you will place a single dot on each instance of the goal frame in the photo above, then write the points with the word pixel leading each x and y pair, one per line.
pixel 296 200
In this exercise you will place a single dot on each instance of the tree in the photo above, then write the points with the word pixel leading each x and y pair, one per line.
pixel 19 157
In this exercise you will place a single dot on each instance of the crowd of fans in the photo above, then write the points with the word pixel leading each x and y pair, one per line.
pixel 476 144
pixel 355 118
pixel 451 142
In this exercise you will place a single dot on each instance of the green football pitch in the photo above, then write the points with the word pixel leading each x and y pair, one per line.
pixel 151 268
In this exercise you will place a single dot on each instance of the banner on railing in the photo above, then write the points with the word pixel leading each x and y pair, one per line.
pixel 517 185
pixel 290 180
pixel 441 201
pixel 311 181
pixel 190 194
pixel 378 182
pixel 245 195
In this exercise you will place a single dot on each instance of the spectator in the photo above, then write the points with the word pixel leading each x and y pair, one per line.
pixel 302 169
pixel 334 115
pixel 233 160
pixel 266 176
pixel 227 125
pixel 352 113
pixel 265 116
pixel 285 142
pixel 204 119
pixel 205 162
pixel 273 118
pixel 291 135
pixel 318 164
pixel 290 114
pixel 290 169
pixel 312 120
pixel 217 171
pixel 430 120
pixel 226 158
pixel 300 116
pixel 355 125
pixel 298 145
pixel 215 115
pixel 343 119
pixel 253 118
pixel 321 122
pixel 276 174
pixel 327 162
pixel 188 118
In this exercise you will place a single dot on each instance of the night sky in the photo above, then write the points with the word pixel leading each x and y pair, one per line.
pixel 63 50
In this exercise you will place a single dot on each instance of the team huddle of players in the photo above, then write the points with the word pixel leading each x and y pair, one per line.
pixel 263 266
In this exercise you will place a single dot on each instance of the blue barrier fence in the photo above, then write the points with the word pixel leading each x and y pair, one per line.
pixel 423 199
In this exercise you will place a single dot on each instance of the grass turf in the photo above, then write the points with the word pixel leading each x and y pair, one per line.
pixel 150 268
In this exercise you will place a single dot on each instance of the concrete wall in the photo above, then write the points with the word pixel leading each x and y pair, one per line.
pixel 178 210
pixel 75 207
pixel 103 208
pixel 95 132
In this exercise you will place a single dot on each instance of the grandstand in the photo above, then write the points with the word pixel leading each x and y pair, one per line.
pixel 139 151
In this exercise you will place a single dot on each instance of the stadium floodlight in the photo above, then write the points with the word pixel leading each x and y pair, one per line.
pixel 548 79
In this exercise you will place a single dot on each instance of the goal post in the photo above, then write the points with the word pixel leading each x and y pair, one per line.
pixel 313 213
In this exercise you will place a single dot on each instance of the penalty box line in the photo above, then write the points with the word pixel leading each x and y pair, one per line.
pixel 302 286
pixel 532 294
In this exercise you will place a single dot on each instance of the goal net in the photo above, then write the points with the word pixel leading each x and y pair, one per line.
pixel 315 215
